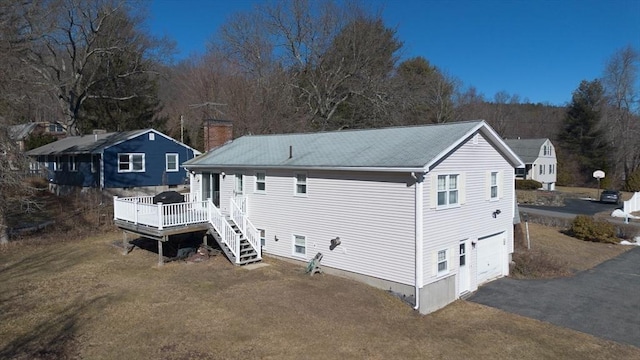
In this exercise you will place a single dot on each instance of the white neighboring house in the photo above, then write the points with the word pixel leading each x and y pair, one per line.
pixel 539 156
pixel 423 211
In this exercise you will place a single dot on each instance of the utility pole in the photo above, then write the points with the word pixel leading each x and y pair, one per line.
pixel 181 129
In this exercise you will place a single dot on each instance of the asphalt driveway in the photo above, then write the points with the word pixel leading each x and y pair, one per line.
pixel 603 301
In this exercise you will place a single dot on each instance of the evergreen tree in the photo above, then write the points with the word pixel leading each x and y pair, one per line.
pixel 582 138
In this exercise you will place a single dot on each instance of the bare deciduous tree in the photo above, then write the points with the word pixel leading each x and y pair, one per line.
pixel 68 46
pixel 622 115
pixel 332 58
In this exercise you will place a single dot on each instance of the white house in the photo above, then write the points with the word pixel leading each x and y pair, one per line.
pixel 423 211
pixel 539 157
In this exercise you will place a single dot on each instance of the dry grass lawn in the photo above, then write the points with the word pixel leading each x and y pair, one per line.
pixel 82 299
pixel 575 254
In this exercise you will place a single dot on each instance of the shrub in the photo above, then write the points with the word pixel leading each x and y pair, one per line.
pixel 536 264
pixel 586 228
pixel 528 185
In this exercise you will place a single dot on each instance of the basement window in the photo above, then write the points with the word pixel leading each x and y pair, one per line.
pixel 443 265
pixel 299 245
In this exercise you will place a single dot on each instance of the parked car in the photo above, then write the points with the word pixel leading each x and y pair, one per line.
pixel 611 196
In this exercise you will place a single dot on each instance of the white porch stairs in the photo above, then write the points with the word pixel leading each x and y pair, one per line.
pixel 247 253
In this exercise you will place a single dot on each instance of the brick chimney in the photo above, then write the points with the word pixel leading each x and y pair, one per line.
pixel 217 133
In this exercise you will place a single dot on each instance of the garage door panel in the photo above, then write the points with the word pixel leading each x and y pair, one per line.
pixel 489 258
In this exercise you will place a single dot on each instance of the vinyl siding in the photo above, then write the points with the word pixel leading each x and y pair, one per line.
pixel 372 213
pixel 82 177
pixel 155 162
pixel 545 161
pixel 445 228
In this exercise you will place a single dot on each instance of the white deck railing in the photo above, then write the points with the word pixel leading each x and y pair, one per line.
pixel 142 211
pixel 248 229
pixel 224 229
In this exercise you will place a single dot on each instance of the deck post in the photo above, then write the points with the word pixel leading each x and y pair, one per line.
pixel 160 257
pixel 160 216
pixel 115 200
pixel 135 211
pixel 125 243
pixel 204 240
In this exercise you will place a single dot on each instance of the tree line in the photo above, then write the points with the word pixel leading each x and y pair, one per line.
pixel 285 66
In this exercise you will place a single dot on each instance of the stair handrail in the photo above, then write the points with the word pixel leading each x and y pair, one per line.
pixel 246 226
pixel 227 235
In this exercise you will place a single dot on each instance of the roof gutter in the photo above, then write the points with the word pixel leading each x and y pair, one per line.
pixel 285 167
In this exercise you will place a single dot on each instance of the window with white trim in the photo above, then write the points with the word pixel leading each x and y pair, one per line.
pixel 261 182
pixel 494 185
pixel 443 264
pixel 299 245
pixel 57 163
pixel 131 163
pixel 301 184
pixel 172 162
pixel 448 190
pixel 73 163
pixel 263 237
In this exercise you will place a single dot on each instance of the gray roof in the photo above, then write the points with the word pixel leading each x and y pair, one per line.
pixel 85 144
pixel 397 148
pixel 527 149
pixel 21 131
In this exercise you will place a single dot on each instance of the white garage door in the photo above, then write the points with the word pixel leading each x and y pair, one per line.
pixel 490 250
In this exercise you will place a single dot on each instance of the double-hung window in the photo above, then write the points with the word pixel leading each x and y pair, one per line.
pixel 131 163
pixel 443 265
pixel 448 190
pixel 261 182
pixel 494 185
pixel 301 184
pixel 73 163
pixel 172 162
pixel 299 245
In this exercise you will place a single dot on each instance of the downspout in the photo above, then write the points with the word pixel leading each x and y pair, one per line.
pixel 419 192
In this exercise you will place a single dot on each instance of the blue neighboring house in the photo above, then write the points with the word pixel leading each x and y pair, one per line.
pixel 132 159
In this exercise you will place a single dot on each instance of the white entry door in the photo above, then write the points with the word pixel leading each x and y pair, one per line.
pixel 490 255
pixel 238 191
pixel 463 268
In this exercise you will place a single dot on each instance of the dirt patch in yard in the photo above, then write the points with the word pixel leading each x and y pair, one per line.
pixel 83 299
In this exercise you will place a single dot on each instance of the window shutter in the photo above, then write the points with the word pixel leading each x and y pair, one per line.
pixel 500 184
pixel 462 188
pixel 433 202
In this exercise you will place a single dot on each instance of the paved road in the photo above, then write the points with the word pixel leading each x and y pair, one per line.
pixel 576 206
pixel 603 301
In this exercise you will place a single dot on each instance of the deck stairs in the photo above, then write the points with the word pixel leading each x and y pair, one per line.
pixel 248 254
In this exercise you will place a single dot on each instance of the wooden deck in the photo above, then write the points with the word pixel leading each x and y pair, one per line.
pixel 159 234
